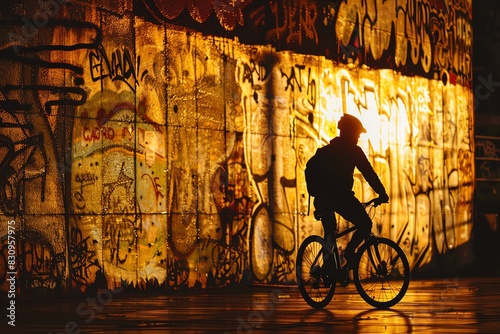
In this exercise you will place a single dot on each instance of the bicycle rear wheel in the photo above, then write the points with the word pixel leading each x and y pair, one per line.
pixel 310 272
pixel 382 275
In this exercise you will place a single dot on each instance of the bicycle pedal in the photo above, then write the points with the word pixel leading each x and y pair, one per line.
pixel 328 280
pixel 344 277
pixel 345 282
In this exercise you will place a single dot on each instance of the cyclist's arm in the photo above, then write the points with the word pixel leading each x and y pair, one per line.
pixel 369 174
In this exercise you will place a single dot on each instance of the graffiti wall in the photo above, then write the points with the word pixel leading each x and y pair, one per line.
pixel 161 145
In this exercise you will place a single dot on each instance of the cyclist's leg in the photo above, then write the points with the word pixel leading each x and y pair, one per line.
pixel 329 227
pixel 325 207
pixel 329 222
pixel 352 210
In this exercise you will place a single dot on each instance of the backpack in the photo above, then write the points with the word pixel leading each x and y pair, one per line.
pixel 316 171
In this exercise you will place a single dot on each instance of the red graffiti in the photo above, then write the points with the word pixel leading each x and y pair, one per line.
pixel 97 133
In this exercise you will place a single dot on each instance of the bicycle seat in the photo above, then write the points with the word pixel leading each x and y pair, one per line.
pixel 320 215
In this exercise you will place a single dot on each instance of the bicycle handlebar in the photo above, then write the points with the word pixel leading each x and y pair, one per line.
pixel 375 201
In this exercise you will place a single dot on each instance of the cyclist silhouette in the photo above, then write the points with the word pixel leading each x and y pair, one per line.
pixel 337 196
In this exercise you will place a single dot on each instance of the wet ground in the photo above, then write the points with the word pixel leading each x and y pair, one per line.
pixel 452 305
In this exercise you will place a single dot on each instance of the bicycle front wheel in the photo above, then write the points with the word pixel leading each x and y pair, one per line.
pixel 382 275
pixel 313 287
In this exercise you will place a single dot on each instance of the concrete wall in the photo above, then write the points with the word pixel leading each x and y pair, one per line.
pixel 160 145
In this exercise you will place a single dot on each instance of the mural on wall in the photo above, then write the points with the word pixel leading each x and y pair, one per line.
pixel 140 153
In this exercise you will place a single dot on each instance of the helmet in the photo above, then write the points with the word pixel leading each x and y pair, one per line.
pixel 349 123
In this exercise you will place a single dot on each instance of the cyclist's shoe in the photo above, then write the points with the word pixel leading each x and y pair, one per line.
pixel 350 259
pixel 327 271
pixel 328 279
pixel 343 276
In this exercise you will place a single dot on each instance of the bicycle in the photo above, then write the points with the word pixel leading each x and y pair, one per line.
pixel 381 270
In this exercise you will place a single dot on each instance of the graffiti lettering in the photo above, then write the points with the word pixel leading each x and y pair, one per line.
pixel 292 80
pixel 97 133
pixel 83 259
pixel 260 69
pixel 298 21
pixel 311 90
pixel 488 170
pixel 351 52
pixel 121 67
pixel 85 178
pixel 487 148
pixel 115 232
pixel 128 132
pixel 39 265
pixel 156 185
pixel 92 134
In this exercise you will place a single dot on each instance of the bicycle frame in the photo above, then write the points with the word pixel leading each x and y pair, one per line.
pixel 371 236
pixel 381 272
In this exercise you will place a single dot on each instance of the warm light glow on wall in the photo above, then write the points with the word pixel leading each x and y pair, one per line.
pixel 174 158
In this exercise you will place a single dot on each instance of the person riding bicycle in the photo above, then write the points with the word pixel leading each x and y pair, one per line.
pixel 345 155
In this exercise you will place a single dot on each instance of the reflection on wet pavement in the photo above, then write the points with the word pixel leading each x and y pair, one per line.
pixel 458 305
